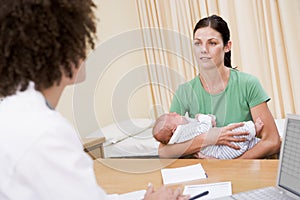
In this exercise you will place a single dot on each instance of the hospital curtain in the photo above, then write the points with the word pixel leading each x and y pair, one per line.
pixel 265 36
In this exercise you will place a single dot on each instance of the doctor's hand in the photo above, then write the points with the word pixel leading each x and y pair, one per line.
pixel 164 193
pixel 225 136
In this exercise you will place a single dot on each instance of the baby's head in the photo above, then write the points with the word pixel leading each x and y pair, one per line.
pixel 165 126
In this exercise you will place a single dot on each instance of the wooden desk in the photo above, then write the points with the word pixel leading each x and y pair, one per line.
pixel 127 175
pixel 94 146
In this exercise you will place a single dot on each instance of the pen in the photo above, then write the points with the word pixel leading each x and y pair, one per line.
pixel 199 195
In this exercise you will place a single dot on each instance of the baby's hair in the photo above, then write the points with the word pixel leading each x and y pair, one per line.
pixel 159 124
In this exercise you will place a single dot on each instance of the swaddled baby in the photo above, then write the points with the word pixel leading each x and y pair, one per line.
pixel 173 128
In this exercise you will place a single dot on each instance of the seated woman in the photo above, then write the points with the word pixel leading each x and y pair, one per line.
pixel 220 90
pixel 173 128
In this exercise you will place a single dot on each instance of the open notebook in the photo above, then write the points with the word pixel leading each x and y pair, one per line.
pixel 288 178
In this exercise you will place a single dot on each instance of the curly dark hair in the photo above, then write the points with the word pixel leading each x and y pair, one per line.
pixel 41 39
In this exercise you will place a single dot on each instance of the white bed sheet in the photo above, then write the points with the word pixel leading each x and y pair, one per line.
pixel 129 138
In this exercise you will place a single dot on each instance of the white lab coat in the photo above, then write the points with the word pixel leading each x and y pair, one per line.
pixel 41 156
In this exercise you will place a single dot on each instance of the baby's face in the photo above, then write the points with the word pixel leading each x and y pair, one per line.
pixel 174 119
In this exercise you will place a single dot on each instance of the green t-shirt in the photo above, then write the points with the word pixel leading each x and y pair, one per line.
pixel 243 92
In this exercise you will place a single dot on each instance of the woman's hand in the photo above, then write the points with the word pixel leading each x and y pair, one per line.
pixel 225 136
pixel 164 193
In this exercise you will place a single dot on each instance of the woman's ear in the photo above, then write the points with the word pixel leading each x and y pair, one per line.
pixel 227 47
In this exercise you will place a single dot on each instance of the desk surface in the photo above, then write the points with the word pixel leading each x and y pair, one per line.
pixel 90 142
pixel 127 175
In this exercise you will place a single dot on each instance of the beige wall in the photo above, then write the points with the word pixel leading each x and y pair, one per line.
pixel 116 17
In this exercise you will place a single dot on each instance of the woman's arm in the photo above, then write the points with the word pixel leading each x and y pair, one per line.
pixel 181 149
pixel 220 136
pixel 270 139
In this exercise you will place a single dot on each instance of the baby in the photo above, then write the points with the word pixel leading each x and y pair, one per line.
pixel 173 128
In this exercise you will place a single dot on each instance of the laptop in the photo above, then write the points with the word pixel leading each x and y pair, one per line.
pixel 288 177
